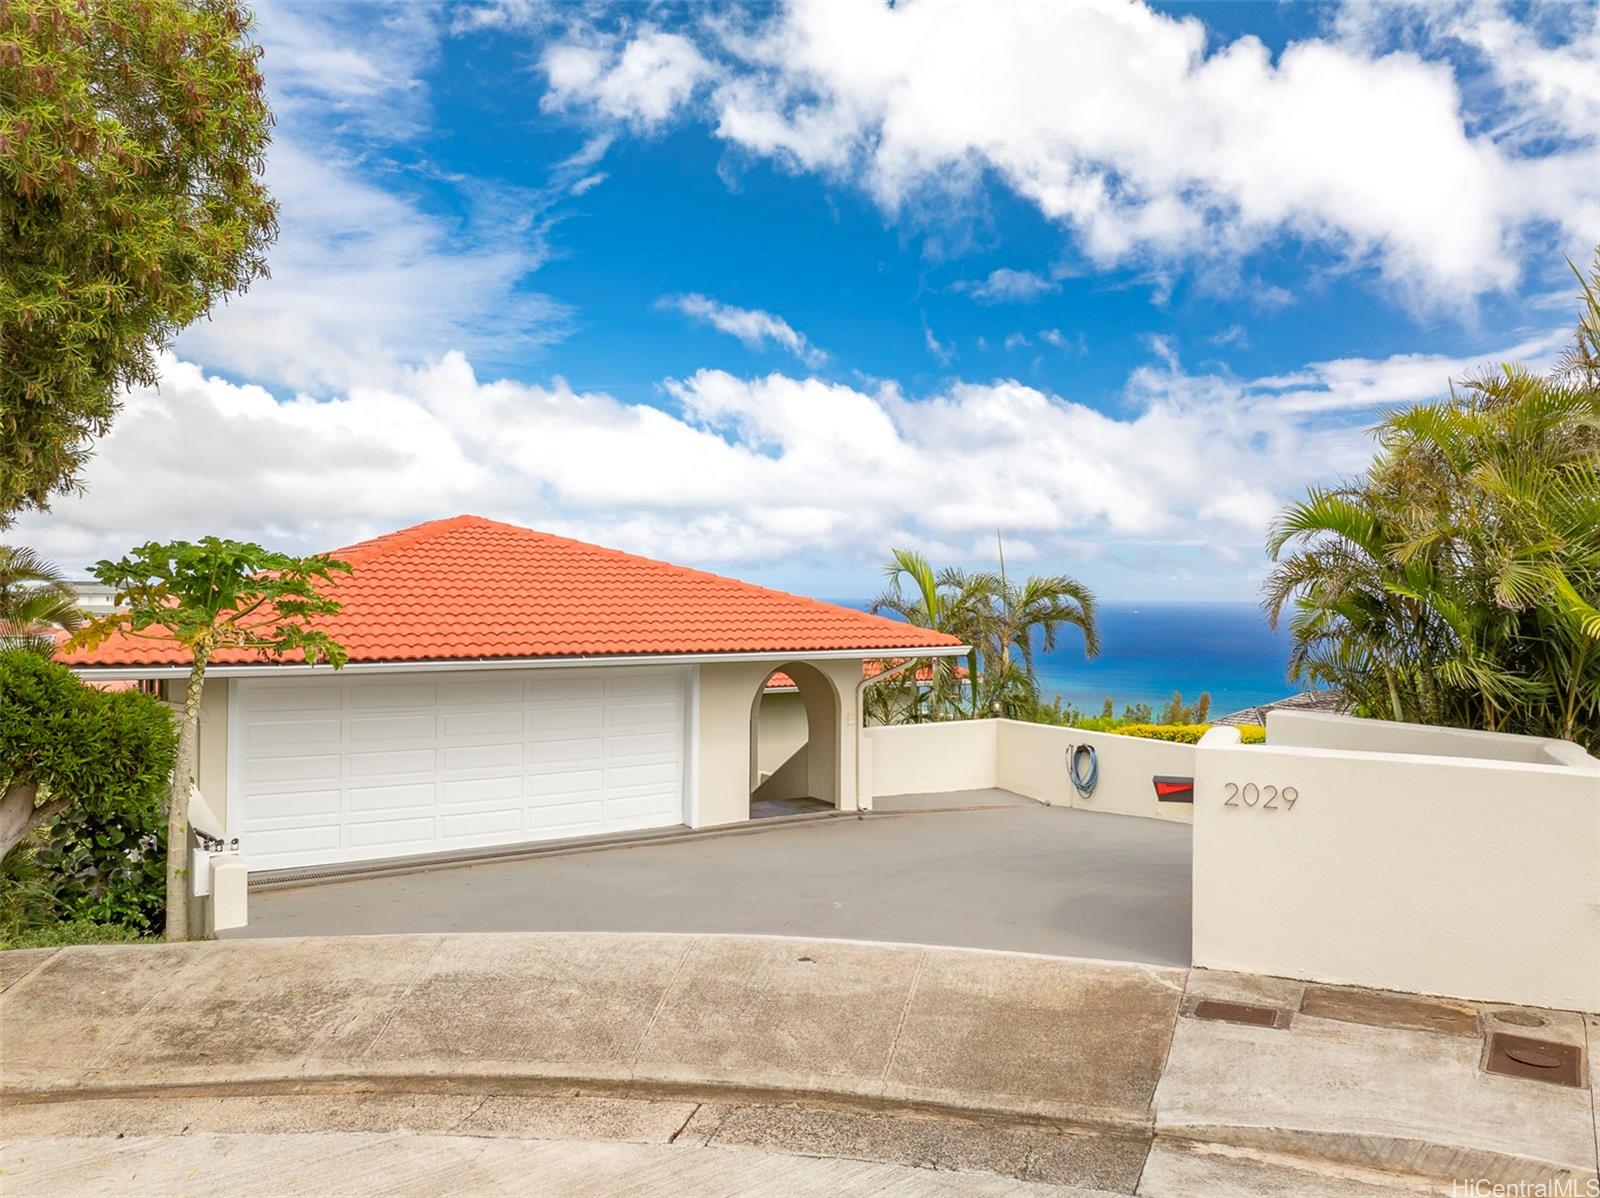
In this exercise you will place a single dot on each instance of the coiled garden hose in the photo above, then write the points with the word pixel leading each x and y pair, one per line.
pixel 1083 767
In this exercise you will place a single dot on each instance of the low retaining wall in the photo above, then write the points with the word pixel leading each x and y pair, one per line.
pixel 1466 866
pixel 1029 760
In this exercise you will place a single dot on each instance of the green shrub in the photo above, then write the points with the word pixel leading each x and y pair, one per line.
pixel 1189 734
pixel 103 858
pixel 1183 734
pixel 77 931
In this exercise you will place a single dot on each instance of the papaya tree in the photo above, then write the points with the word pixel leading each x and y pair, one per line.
pixel 211 596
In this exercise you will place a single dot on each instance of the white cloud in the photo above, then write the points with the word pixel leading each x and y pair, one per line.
pixel 643 81
pixel 735 470
pixel 1017 341
pixel 1010 286
pixel 943 350
pixel 367 270
pixel 755 328
pixel 1148 143
pixel 1364 383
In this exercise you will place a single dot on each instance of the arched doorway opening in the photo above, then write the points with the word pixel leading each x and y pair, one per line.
pixel 794 742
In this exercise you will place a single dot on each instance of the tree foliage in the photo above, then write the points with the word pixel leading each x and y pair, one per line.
pixel 35 602
pixel 1006 622
pixel 1458 581
pixel 207 596
pixel 83 773
pixel 132 136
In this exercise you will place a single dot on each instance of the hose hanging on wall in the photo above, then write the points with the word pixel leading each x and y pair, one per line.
pixel 1083 767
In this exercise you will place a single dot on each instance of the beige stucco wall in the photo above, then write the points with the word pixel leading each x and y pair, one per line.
pixel 1319 730
pixel 1458 875
pixel 1030 760
pixel 727 711
pixel 211 767
pixel 782 729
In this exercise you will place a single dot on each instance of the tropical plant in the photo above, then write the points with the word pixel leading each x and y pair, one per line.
pixel 1458 581
pixel 208 596
pixel 132 143
pixel 35 601
pixel 82 774
pixel 948 601
pixel 1006 623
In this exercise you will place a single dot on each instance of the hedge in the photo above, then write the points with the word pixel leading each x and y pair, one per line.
pixel 1189 734
pixel 103 858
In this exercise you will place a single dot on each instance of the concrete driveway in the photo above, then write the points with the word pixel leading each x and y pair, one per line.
pixel 1023 878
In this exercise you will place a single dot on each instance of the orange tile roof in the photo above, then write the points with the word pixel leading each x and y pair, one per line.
pixel 870 668
pixel 468 588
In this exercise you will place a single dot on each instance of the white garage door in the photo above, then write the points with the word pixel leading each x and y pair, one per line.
pixel 350 768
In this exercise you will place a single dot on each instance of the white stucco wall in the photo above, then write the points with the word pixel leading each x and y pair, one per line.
pixel 1319 730
pixel 1033 762
pixel 1456 875
pixel 727 700
pixel 1029 760
pixel 926 758
pixel 782 729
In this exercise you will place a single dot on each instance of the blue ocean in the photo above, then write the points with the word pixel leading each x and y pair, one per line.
pixel 1148 650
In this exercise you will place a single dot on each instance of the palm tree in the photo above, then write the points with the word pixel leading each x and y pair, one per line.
pixel 35 600
pixel 1005 622
pixel 1016 614
pixel 949 601
pixel 1458 581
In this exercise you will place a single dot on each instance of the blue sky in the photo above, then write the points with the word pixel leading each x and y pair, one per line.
pixel 770 290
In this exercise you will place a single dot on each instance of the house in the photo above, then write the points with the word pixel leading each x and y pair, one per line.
pixel 506 686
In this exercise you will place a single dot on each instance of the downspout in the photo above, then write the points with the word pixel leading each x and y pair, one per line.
pixel 861 715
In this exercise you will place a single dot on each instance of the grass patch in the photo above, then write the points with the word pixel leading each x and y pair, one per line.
pixel 60 935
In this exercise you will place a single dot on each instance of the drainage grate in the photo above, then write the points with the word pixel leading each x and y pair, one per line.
pixel 1238 1012
pixel 1538 1060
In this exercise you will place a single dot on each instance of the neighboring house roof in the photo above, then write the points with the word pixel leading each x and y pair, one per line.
pixel 1331 701
pixel 869 669
pixel 470 589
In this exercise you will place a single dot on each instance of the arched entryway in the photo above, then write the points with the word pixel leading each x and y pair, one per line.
pixel 794 742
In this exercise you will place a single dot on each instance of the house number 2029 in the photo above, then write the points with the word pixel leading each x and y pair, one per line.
pixel 1267 798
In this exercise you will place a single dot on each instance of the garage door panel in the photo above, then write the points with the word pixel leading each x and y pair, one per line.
pixel 365 800
pixel 565 782
pixel 482 757
pixel 342 767
pixel 566 819
pixel 547 722
pixel 393 727
pixel 370 694
pixel 309 695
pixel 642 744
pixel 478 692
pixel 296 841
pixel 624 686
pixel 292 767
pixel 392 761
pixel 300 734
pixel 563 686
pixel 659 774
pixel 270 810
pixel 476 825
pixel 559 752
pixel 483 723
pixel 480 790
pixel 629 715
pixel 399 834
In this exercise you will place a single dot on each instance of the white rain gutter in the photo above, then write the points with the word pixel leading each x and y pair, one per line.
pixel 776 656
